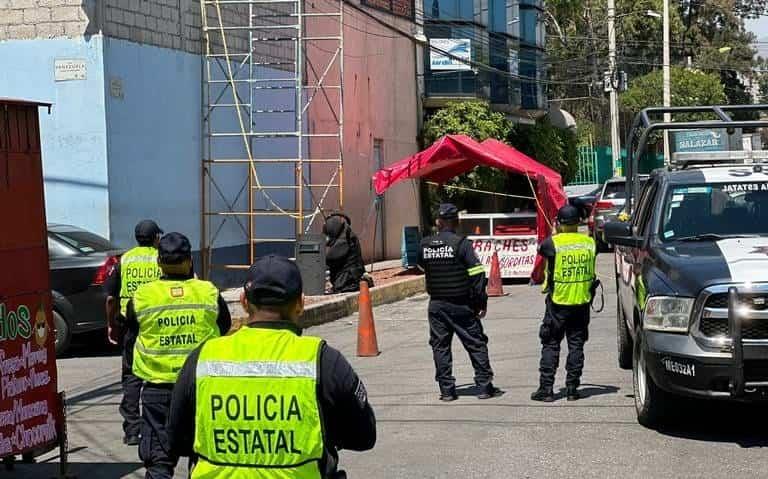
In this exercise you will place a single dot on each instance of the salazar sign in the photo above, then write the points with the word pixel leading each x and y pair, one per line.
pixel 700 140
pixel 450 54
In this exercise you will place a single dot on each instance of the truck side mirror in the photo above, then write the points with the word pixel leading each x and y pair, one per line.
pixel 620 233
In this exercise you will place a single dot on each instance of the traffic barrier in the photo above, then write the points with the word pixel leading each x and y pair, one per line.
pixel 367 345
pixel 495 286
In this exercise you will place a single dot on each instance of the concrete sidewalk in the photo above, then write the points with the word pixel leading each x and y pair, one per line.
pixel 330 307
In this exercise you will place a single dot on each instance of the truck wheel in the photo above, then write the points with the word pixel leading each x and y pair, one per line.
pixel 63 333
pixel 650 401
pixel 623 338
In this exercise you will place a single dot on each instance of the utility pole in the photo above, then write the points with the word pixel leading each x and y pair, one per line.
pixel 614 98
pixel 667 80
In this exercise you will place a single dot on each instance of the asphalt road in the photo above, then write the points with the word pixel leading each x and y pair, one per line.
pixel 507 437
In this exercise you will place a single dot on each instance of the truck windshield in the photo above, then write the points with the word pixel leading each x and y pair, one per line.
pixel 708 212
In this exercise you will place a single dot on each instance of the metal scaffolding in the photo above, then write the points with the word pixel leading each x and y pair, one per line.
pixel 267 172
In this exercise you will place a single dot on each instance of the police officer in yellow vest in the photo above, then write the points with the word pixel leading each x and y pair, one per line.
pixel 137 266
pixel 172 316
pixel 266 401
pixel 568 283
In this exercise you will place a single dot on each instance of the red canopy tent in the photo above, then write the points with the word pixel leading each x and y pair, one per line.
pixel 453 155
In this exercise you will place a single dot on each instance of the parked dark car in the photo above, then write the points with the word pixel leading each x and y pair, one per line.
pixel 80 262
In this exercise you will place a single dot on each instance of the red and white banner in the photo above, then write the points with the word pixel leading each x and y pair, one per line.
pixel 517 254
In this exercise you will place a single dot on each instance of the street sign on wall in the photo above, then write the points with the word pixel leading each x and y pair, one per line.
pixel 459 49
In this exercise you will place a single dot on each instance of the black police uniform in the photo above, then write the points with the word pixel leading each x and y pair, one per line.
pixel 569 322
pixel 347 417
pixel 129 404
pixel 145 232
pixel 456 299
pixel 154 449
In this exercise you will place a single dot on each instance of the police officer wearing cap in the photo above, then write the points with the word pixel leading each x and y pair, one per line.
pixel 136 267
pixel 456 285
pixel 568 283
pixel 266 401
pixel 171 316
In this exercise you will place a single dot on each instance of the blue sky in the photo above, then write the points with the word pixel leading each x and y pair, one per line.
pixel 760 29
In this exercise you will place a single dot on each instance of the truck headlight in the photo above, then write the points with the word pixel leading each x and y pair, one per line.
pixel 668 313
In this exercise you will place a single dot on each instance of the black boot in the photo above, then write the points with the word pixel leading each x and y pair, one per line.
pixel 572 393
pixel 489 391
pixel 448 394
pixel 543 395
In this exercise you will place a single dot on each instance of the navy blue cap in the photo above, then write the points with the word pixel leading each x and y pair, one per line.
pixel 273 280
pixel 174 248
pixel 147 230
pixel 448 211
pixel 568 215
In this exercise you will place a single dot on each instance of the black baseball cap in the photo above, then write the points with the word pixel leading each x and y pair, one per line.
pixel 147 230
pixel 273 280
pixel 568 215
pixel 448 211
pixel 174 248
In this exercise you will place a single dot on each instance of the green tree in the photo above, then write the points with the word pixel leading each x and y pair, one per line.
pixel 476 120
pixel 549 145
pixel 472 118
pixel 689 87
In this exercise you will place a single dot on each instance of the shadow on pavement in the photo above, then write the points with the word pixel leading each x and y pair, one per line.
pixel 470 390
pixel 715 421
pixel 590 390
pixel 82 470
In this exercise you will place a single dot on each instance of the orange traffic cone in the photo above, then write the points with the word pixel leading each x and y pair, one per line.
pixel 495 286
pixel 367 345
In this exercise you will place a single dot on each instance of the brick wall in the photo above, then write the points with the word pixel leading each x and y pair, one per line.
pixel 172 24
pixel 27 19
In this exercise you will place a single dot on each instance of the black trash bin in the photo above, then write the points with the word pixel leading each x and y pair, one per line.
pixel 310 258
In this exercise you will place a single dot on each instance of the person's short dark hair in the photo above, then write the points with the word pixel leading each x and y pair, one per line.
pixel 146 232
pixel 568 215
pixel 273 281
pixel 174 248
pixel 448 211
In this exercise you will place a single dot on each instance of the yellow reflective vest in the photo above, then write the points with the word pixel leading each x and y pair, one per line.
pixel 174 318
pixel 574 269
pixel 137 266
pixel 257 413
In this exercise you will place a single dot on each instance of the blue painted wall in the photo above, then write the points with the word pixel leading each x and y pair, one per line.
pixel 153 139
pixel 155 149
pixel 74 139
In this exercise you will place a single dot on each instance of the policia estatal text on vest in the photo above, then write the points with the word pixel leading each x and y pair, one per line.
pixel 136 267
pixel 266 400
pixel 456 282
pixel 171 317
pixel 569 285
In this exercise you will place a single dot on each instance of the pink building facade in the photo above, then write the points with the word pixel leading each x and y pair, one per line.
pixel 380 121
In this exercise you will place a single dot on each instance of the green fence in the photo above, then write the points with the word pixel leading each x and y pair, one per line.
pixel 596 164
pixel 588 172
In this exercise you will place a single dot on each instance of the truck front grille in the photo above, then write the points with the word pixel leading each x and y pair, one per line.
pixel 755 301
pixel 711 320
pixel 750 329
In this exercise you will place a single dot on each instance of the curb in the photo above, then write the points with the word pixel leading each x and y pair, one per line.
pixel 344 305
